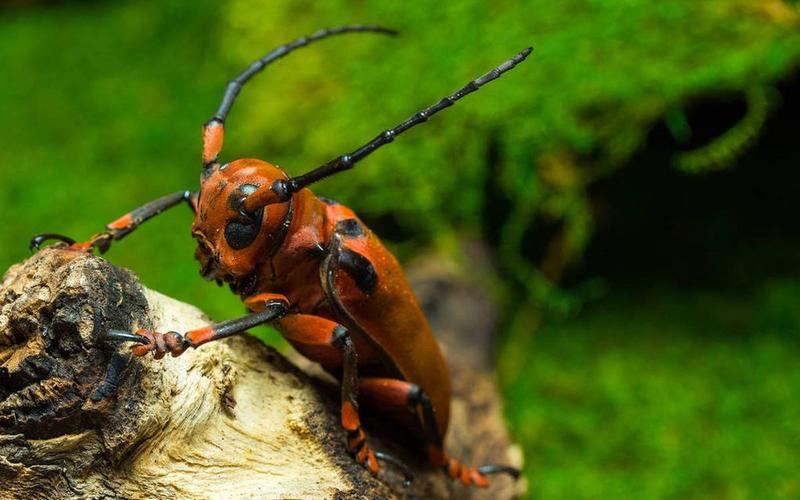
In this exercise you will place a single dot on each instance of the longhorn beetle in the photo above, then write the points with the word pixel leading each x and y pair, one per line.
pixel 309 267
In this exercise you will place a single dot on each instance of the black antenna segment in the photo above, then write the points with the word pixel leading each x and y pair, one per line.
pixel 285 187
pixel 235 85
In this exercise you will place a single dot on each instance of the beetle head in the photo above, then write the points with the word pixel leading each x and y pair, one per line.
pixel 232 240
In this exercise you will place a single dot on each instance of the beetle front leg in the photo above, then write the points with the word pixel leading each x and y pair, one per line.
pixel 176 344
pixel 121 227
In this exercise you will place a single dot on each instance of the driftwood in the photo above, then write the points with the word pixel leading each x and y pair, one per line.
pixel 229 420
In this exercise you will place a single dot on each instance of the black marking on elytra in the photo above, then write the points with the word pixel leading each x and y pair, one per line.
pixel 360 269
pixel 328 270
pixel 327 201
pixel 349 227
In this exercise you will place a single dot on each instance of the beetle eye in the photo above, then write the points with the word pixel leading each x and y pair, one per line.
pixel 241 233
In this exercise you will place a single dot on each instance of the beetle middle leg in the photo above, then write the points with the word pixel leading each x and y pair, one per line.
pixel 123 226
pixel 331 341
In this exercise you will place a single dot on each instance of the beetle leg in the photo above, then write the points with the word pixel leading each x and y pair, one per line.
pixel 321 332
pixel 408 476
pixel 176 344
pixel 121 227
pixel 40 238
pixel 390 394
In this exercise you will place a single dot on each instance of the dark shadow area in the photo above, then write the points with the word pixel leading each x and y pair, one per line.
pixel 497 205
pixel 732 228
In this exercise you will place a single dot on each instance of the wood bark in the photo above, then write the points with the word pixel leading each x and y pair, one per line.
pixel 233 419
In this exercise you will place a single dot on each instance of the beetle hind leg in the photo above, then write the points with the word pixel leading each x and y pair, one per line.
pixel 408 476
pixel 488 470
pixel 469 476
pixel 396 394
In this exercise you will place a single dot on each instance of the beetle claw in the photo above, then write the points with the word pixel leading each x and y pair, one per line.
pixel 101 241
pixel 36 241
pixel 408 476
pixel 499 469
pixel 126 337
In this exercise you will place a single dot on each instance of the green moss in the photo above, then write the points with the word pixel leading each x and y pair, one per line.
pixel 659 395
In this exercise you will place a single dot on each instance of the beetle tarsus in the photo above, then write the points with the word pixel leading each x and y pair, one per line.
pixel 126 337
pixel 488 470
pixel 36 241
pixel 408 476
pixel 100 241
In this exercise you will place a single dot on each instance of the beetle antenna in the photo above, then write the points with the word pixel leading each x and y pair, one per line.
pixel 235 85
pixel 284 188
pixel 214 129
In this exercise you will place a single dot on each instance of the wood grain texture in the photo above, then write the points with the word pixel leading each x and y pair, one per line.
pixel 233 419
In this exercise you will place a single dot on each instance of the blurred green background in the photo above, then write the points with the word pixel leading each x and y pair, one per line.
pixel 636 181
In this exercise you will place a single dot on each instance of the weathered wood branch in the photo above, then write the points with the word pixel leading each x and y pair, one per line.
pixel 231 419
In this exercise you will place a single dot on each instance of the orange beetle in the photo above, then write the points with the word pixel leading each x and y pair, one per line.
pixel 312 269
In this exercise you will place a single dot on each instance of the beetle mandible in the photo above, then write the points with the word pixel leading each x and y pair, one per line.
pixel 309 267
